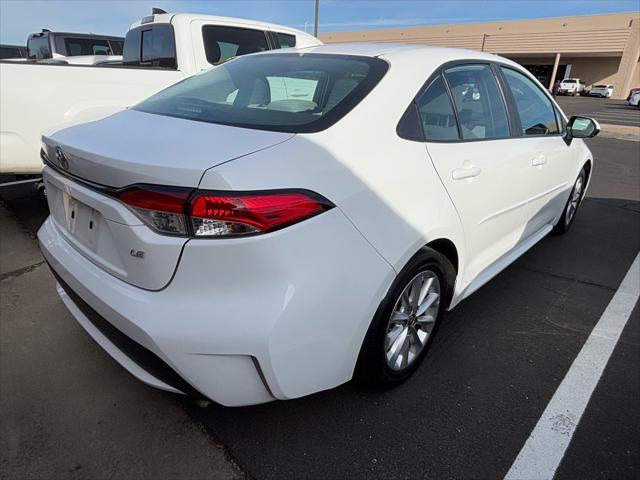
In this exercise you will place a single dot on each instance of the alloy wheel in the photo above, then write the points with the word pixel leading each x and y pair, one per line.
pixel 412 320
pixel 574 201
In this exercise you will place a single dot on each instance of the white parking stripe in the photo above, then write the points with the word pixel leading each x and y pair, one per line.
pixel 547 444
pixel 617 114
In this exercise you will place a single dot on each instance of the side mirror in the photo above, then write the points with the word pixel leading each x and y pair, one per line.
pixel 581 127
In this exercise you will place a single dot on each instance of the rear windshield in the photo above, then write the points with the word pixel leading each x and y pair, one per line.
pixel 39 47
pixel 281 92
pixel 86 46
pixel 569 80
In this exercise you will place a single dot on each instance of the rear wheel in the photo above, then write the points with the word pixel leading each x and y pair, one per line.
pixel 406 321
pixel 573 203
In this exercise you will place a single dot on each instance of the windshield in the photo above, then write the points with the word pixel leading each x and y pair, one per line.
pixel 279 92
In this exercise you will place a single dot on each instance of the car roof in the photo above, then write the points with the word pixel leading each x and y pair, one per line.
pixel 391 51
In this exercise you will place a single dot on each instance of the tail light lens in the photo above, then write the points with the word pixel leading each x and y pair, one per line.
pixel 185 212
pixel 161 208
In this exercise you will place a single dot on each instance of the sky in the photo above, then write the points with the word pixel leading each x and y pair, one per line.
pixel 18 18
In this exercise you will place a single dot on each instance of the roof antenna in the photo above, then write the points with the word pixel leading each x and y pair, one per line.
pixel 157 11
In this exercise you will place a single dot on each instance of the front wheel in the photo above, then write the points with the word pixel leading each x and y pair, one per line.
pixel 573 203
pixel 406 321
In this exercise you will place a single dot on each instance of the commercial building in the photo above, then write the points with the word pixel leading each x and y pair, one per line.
pixel 599 49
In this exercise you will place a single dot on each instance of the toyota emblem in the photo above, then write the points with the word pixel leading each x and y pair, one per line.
pixel 63 161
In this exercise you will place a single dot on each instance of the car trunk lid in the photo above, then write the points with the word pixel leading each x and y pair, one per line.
pixel 89 163
pixel 136 147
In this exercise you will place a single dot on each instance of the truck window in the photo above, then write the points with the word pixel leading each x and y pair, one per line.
pixel 10 51
pixel 285 40
pixel 223 43
pixel 150 46
pixel 86 46
pixel 38 47
pixel 116 46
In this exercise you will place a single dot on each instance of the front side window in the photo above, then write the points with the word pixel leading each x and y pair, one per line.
pixel 39 48
pixel 116 46
pixel 285 40
pixel 278 92
pixel 436 112
pixel 535 110
pixel 223 43
pixel 478 102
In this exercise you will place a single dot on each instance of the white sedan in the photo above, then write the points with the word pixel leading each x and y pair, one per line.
pixel 290 220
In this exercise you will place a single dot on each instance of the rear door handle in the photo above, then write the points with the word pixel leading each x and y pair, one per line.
pixel 466 172
pixel 539 160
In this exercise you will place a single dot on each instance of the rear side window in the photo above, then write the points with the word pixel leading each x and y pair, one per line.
pixel 436 112
pixel 152 46
pixel 39 48
pixel 535 110
pixel 223 43
pixel 280 92
pixel 285 40
pixel 478 102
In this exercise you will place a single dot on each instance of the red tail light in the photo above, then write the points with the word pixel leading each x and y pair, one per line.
pixel 214 213
pixel 181 211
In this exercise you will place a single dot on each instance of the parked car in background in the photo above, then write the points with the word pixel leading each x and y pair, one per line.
pixel 632 91
pixel 286 221
pixel 60 45
pixel 159 50
pixel 603 91
pixel 571 86
pixel 12 51
pixel 634 99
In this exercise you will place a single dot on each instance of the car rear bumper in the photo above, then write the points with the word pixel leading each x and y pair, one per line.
pixel 243 321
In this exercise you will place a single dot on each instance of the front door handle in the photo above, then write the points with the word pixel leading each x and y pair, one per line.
pixel 469 171
pixel 539 160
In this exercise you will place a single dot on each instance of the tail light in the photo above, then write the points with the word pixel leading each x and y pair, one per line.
pixel 201 213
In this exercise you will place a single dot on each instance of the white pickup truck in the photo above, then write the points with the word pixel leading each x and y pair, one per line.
pixel 159 50
pixel 571 86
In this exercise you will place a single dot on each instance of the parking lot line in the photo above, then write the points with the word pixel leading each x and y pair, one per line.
pixel 544 449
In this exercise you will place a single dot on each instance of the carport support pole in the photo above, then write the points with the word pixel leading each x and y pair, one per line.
pixel 554 71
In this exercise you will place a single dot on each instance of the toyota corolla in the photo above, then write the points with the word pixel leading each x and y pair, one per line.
pixel 288 221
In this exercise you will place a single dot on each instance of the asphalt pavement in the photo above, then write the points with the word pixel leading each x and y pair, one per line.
pixel 466 413
pixel 605 110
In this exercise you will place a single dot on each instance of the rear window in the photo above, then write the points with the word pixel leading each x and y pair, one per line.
pixel 39 48
pixel 279 92
pixel 223 43
pixel 569 80
pixel 86 46
pixel 150 46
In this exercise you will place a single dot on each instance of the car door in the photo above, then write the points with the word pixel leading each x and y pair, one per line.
pixel 468 137
pixel 551 161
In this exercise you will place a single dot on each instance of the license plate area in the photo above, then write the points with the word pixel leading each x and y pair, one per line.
pixel 80 220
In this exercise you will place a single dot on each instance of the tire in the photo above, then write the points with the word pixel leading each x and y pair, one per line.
pixel 572 205
pixel 376 366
